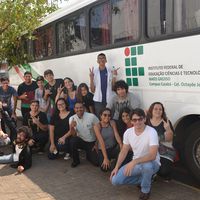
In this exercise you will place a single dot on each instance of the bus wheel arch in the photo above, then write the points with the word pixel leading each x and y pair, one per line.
pixel 192 150
pixel 182 133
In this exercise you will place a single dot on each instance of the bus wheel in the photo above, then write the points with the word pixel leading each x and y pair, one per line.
pixel 192 151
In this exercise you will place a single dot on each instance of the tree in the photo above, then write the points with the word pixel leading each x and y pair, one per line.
pixel 18 20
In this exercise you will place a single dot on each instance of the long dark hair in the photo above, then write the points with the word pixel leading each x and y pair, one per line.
pixel 150 111
pixel 79 95
pixel 73 85
pixel 121 126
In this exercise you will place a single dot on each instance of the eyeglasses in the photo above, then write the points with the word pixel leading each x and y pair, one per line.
pixel 137 119
pixel 106 115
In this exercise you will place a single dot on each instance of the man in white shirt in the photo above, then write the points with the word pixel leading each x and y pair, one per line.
pixel 81 124
pixel 146 160
pixel 102 80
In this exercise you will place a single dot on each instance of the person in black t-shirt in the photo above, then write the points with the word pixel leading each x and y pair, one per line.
pixel 157 118
pixel 86 97
pixel 59 130
pixel 51 88
pixel 26 93
pixel 37 121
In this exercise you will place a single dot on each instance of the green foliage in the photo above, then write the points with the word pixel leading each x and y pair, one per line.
pixel 18 19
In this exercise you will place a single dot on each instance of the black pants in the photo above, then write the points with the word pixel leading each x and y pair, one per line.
pixel 98 106
pixel 165 170
pixel 10 123
pixel 24 111
pixel 40 139
pixel 77 143
pixel 112 153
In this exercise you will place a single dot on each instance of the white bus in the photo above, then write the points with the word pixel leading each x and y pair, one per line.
pixel 154 42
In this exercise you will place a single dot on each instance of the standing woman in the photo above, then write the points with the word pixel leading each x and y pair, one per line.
pixel 68 92
pixel 156 118
pixel 107 137
pixel 59 130
pixel 85 96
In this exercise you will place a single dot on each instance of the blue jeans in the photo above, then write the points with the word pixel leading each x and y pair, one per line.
pixel 141 175
pixel 6 159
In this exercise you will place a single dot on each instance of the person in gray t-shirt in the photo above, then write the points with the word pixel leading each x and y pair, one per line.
pixel 122 99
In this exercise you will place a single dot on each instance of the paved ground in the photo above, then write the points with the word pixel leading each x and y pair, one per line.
pixel 48 180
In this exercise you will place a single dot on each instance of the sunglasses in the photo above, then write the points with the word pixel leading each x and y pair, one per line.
pixel 106 115
pixel 137 119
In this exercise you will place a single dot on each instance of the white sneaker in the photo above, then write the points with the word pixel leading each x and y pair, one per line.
pixel 67 156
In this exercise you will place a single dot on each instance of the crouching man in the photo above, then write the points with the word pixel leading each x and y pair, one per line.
pixel 21 156
pixel 146 160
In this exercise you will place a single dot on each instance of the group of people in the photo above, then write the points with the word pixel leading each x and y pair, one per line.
pixel 108 123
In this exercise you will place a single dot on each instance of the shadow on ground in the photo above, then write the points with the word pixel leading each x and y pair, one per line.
pixel 55 179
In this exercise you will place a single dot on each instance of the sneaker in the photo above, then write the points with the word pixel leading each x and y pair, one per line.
pixel 144 196
pixel 67 156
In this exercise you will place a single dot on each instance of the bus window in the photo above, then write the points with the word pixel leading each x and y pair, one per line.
pixel 125 20
pixel 159 17
pixel 186 14
pixel 71 34
pixel 43 45
pixel 39 44
pixel 49 41
pixel 100 25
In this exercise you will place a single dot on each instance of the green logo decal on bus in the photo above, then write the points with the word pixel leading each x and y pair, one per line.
pixel 27 67
pixel 132 68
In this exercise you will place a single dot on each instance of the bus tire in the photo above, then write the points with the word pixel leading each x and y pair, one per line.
pixel 192 151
